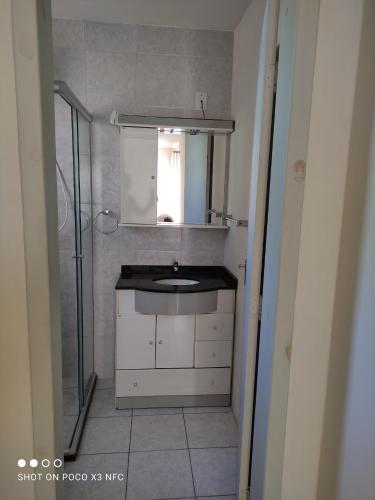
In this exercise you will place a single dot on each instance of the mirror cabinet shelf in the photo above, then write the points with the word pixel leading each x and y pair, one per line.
pixel 171 224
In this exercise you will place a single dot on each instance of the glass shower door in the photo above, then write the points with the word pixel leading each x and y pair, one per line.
pixel 68 270
pixel 83 237
pixel 73 166
pixel 85 251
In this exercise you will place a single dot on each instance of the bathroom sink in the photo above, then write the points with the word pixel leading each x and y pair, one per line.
pixel 176 281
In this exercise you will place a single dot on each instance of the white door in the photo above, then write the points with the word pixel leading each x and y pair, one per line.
pixel 135 341
pixel 175 341
pixel 269 335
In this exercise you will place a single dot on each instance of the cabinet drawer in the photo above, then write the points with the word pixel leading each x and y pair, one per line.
pixel 216 353
pixel 135 341
pixel 214 326
pixel 179 382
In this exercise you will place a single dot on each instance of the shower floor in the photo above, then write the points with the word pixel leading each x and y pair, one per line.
pixel 159 453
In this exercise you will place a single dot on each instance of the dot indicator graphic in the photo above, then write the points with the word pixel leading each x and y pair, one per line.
pixel 45 462
pixel 33 462
pixel 21 462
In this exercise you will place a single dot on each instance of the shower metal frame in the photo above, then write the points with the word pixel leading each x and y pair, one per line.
pixel 85 393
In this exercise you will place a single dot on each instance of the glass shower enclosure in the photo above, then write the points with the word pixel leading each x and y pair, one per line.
pixel 75 229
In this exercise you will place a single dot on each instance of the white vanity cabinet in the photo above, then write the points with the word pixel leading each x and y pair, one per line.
pixel 169 360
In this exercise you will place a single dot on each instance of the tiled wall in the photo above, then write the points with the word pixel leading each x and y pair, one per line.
pixel 138 70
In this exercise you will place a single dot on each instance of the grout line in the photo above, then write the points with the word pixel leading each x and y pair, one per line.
pixel 158 450
pixel 157 414
pixel 127 470
pixel 206 412
pixel 191 466
pixel 110 416
pixel 180 449
pixel 218 496
pixel 213 447
pixel 103 453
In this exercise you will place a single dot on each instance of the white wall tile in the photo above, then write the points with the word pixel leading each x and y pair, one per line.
pixel 68 34
pixel 160 258
pixel 209 43
pixel 105 138
pixel 163 238
pixel 70 66
pixel 104 356
pixel 160 40
pixel 202 239
pixel 161 81
pixel 63 131
pixel 210 257
pixel 111 74
pixel 212 75
pixel 105 179
pixel 111 37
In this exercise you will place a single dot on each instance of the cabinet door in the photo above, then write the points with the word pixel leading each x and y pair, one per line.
pixel 139 159
pixel 135 341
pixel 175 341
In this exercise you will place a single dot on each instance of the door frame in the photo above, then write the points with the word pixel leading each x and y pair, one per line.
pixel 303 58
pixel 30 351
pixel 257 212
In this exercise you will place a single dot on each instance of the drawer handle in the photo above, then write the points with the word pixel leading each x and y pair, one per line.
pixel 214 354
pixel 214 328
pixel 160 342
pixel 151 342
pixel 135 384
pixel 212 382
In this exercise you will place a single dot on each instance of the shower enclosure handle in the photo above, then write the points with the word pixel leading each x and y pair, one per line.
pixel 79 256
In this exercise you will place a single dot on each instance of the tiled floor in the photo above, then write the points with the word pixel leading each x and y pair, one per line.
pixel 164 453
pixel 70 409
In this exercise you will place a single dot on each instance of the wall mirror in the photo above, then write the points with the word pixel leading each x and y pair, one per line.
pixel 174 175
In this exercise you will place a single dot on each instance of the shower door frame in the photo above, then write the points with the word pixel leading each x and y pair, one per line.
pixel 84 392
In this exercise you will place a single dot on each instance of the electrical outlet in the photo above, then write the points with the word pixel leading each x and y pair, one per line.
pixel 200 97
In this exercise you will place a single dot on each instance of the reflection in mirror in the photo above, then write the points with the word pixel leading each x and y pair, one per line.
pixel 190 177
pixel 170 176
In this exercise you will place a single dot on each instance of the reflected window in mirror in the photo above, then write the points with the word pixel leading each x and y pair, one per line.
pixel 190 177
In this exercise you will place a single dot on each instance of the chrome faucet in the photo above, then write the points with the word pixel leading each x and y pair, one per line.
pixel 175 266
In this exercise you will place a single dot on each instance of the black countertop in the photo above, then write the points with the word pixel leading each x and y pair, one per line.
pixel 144 277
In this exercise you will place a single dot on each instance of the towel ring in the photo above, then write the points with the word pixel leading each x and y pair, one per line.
pixel 106 212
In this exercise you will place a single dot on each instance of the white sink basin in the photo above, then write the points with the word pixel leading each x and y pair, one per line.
pixel 176 281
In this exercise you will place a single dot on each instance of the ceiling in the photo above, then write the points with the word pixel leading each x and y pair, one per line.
pixel 199 14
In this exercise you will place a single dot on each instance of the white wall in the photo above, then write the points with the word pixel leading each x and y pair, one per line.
pixel 356 462
pixel 357 478
pixel 247 39
pixel 30 379
pixel 325 276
